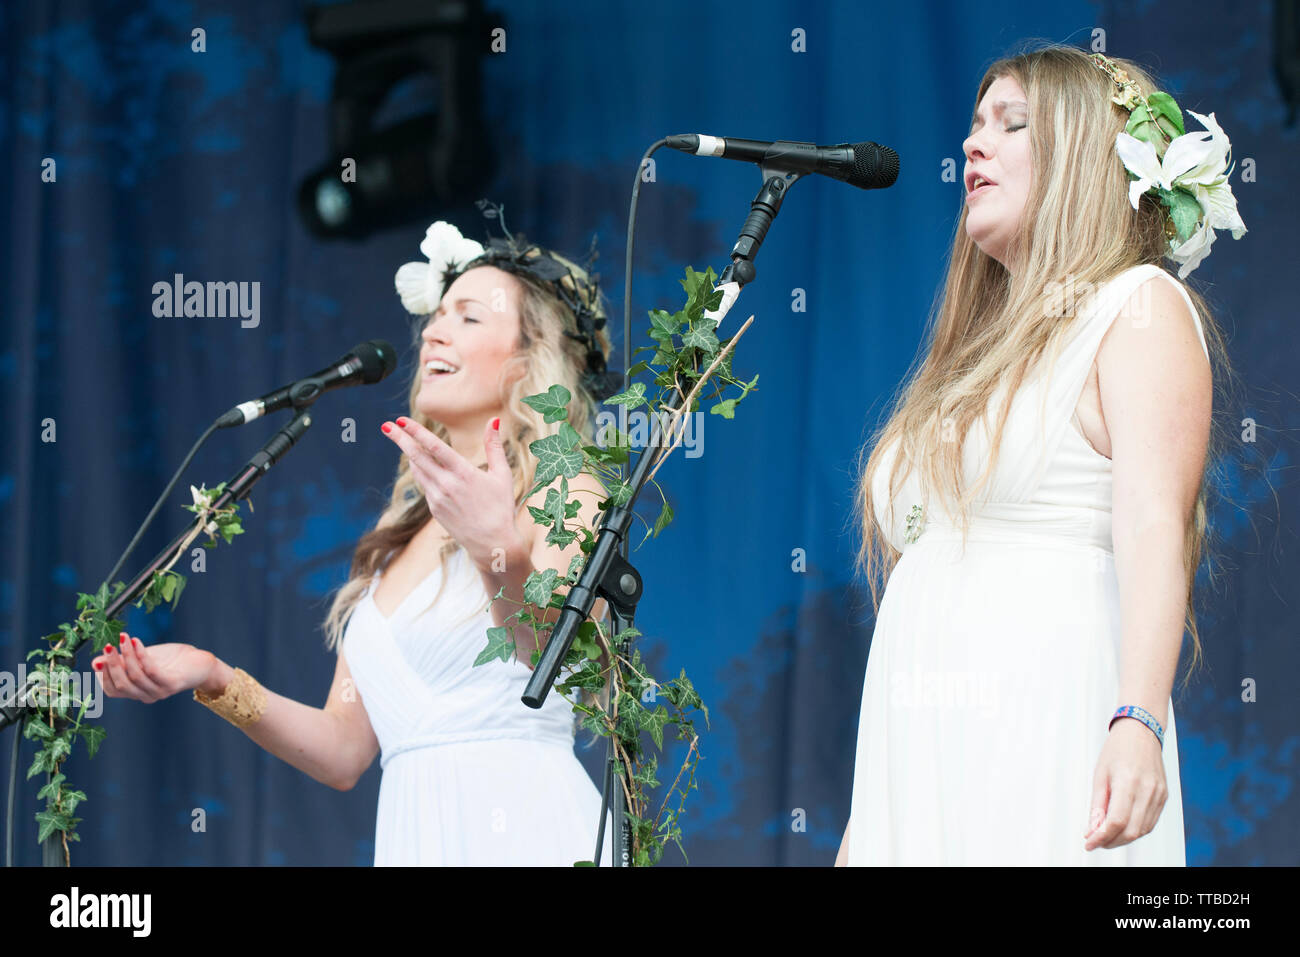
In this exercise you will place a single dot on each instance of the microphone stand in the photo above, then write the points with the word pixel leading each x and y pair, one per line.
pixel 607 573
pixel 18 707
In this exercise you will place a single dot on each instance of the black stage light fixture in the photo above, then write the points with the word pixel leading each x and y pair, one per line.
pixel 404 172
pixel 1286 55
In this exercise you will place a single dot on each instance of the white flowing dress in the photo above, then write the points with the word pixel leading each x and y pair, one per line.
pixel 471 775
pixel 992 675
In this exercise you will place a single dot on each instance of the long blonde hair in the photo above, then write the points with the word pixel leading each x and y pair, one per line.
pixel 548 357
pixel 989 327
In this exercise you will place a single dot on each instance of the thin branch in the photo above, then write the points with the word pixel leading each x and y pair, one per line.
pixel 686 405
pixel 685 762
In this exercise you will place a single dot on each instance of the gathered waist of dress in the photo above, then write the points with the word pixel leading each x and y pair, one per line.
pixel 479 735
pixel 1025 524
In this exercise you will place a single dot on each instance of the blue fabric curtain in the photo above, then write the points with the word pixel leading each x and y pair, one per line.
pixel 170 161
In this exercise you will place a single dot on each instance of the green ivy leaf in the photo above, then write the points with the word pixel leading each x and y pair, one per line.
pixel 500 646
pixel 665 516
pixel 613 455
pixel 654 721
pixel 37 728
pixel 49 822
pixel 52 786
pixel 560 537
pixel 570 437
pixel 94 737
pixel 539 585
pixel 40 763
pixel 633 397
pixel 553 403
pixel 555 457
pixel 701 336
pixel 645 776
pixel 663 326
pixel 620 493
pixel 726 408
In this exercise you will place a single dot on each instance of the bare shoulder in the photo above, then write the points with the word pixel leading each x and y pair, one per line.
pixel 1156 394
pixel 1155 324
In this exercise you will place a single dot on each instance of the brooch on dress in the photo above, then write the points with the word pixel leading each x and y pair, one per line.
pixel 915 522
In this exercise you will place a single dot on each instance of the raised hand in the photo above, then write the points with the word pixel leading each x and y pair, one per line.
pixel 150 674
pixel 476 507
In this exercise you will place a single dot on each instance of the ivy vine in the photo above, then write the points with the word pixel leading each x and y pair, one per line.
pixel 54 691
pixel 689 365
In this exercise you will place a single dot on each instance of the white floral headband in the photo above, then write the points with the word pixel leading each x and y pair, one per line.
pixel 421 285
pixel 1187 172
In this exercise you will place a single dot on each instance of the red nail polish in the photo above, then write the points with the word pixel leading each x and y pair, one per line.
pixel 98 666
pixel 401 421
pixel 108 649
pixel 386 428
pixel 496 423
pixel 122 639
pixel 138 642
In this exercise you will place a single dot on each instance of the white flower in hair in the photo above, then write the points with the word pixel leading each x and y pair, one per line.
pixel 420 284
pixel 1197 164
pixel 1189 253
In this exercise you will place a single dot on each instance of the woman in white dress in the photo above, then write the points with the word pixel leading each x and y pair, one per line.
pixel 471 776
pixel 1040 557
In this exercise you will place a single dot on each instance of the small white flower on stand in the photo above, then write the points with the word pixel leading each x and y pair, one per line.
pixel 420 284
pixel 202 499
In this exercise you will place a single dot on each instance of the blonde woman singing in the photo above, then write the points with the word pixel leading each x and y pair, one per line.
pixel 471 776
pixel 1040 553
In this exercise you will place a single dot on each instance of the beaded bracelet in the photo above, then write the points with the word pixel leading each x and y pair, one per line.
pixel 1143 715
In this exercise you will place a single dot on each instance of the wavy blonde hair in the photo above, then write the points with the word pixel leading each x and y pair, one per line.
pixel 548 357
pixel 989 327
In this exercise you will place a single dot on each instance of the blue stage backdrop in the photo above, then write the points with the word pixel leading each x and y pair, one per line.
pixel 173 161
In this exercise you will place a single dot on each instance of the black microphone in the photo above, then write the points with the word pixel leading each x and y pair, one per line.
pixel 364 365
pixel 865 165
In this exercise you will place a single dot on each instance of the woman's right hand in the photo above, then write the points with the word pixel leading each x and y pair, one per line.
pixel 130 670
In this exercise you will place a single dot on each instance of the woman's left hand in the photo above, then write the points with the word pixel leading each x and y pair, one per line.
pixel 476 507
pixel 1128 787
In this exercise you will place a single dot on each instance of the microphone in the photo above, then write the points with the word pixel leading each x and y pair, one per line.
pixel 865 165
pixel 366 364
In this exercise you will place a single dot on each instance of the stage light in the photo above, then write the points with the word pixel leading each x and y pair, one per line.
pixel 405 172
